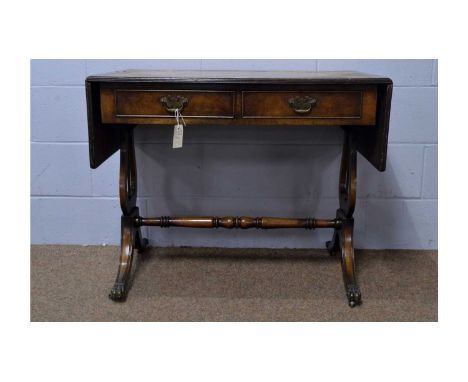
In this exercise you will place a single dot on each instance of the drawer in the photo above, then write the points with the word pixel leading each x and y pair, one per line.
pixel 118 104
pixel 359 105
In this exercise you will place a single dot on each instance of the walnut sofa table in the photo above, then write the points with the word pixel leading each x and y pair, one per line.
pixel 358 103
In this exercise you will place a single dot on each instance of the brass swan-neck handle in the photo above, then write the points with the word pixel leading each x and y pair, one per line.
pixel 302 104
pixel 173 103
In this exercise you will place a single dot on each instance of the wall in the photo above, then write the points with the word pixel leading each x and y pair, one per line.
pixel 241 171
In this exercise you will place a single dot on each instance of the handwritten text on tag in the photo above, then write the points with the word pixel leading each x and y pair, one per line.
pixel 178 136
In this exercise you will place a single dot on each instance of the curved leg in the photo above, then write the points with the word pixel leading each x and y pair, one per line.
pixel 347 264
pixel 346 189
pixel 120 288
pixel 131 235
pixel 343 236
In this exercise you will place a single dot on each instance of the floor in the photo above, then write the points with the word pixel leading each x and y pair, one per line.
pixel 71 283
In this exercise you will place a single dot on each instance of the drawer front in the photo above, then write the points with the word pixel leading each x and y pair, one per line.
pixel 359 105
pixel 141 104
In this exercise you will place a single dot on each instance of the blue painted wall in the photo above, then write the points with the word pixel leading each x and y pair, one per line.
pixel 221 170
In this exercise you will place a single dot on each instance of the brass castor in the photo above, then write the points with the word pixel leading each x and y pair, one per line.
pixel 118 292
pixel 354 295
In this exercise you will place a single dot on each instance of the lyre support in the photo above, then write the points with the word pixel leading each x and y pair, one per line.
pixel 130 233
pixel 342 241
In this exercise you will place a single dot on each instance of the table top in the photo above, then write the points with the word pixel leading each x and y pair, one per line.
pixel 241 76
pixel 104 138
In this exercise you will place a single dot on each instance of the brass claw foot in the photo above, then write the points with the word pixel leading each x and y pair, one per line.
pixel 121 285
pixel 118 292
pixel 354 295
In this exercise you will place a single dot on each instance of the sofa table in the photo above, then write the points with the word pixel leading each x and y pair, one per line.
pixel 357 103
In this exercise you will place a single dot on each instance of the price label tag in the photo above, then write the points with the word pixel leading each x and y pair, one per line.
pixel 178 136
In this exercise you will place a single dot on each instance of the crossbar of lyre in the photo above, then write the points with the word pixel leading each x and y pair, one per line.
pixel 243 222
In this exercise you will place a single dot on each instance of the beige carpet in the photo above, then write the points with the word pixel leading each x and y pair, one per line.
pixel 71 283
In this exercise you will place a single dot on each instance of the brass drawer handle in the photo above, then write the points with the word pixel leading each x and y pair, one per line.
pixel 173 103
pixel 302 104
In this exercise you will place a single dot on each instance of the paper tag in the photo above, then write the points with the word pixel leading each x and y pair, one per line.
pixel 178 136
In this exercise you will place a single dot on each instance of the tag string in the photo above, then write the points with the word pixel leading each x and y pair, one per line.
pixel 183 121
pixel 179 115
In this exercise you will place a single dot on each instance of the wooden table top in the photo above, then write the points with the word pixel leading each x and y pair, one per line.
pixel 372 137
pixel 241 76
